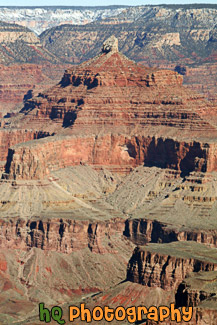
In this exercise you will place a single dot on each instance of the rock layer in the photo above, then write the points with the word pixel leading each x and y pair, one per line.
pixel 61 235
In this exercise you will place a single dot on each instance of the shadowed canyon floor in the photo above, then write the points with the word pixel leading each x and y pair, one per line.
pixel 108 193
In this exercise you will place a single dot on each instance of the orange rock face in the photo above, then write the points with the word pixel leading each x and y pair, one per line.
pixel 9 138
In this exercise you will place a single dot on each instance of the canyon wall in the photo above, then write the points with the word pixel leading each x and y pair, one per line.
pixel 142 231
pixel 20 82
pixel 111 151
pixel 61 235
pixel 157 269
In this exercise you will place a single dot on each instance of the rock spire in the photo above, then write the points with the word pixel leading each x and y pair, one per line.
pixel 110 45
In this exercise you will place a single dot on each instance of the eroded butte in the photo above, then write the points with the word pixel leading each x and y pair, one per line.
pixel 108 175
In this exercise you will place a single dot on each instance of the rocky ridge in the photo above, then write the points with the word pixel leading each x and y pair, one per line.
pixel 151 34
pixel 39 19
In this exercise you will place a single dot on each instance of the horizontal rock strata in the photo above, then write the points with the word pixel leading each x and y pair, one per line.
pixel 166 265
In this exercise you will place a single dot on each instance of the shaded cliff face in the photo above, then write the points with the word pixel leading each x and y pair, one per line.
pixel 196 289
pixel 57 153
pixel 142 231
pixel 199 291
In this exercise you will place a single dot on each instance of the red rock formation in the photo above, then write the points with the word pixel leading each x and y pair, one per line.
pixel 202 78
pixel 119 115
pixel 112 151
pixel 10 137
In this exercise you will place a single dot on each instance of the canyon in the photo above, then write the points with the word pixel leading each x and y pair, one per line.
pixel 108 192
pixel 166 36
pixel 108 170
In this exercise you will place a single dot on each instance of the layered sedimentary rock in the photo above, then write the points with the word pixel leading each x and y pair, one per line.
pixel 196 289
pixel 142 231
pixel 112 151
pixel 166 265
pixel 10 137
pixel 128 115
pixel 202 78
pixel 62 235
pixel 128 156
pixel 20 82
